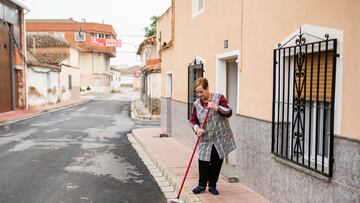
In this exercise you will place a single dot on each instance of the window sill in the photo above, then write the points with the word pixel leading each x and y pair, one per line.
pixel 196 13
pixel 302 169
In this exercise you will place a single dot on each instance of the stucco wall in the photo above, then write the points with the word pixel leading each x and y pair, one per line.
pixel 154 85
pixel 95 72
pixel 246 26
pixel 43 86
pixel 73 93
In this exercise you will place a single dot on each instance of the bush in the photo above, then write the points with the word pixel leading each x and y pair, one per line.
pixel 81 89
pixel 88 88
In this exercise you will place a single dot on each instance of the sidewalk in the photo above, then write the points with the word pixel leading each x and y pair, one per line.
pixel 18 115
pixel 171 158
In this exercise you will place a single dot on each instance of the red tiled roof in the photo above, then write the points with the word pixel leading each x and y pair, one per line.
pixel 45 40
pixel 51 58
pixel 153 64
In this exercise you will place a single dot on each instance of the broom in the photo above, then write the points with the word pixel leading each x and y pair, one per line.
pixel 192 156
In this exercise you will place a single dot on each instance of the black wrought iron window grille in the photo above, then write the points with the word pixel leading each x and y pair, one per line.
pixel 195 71
pixel 304 77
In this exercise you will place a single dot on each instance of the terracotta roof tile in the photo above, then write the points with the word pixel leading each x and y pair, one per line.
pixel 51 58
pixel 45 40
pixel 153 64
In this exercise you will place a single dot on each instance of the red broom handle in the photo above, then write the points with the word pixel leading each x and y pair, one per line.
pixel 192 156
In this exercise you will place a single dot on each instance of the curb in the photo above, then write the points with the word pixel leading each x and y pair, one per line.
pixel 187 195
pixel 42 112
pixel 135 116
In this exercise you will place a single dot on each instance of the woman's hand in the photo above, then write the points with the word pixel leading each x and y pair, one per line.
pixel 199 132
pixel 212 105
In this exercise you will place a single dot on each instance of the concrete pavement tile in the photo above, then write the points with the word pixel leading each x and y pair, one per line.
pixel 167 189
pixel 171 158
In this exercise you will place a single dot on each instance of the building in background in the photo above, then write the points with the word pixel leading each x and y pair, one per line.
pixel 150 82
pixel 12 56
pixel 289 71
pixel 115 78
pixel 94 58
pixel 53 70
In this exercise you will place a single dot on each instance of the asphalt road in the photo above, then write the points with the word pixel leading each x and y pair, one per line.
pixel 77 155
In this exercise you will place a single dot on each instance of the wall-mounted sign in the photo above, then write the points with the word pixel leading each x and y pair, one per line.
pixel 105 42
pixel 226 43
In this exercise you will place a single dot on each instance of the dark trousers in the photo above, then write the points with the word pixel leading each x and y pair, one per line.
pixel 209 170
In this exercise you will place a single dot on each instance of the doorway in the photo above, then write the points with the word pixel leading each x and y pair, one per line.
pixel 227 83
pixel 5 70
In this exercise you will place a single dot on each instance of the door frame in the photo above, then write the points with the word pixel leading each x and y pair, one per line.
pixel 221 74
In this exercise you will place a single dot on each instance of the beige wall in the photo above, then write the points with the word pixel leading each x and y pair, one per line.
pixel 95 71
pixel 254 28
pixel 259 40
pixel 163 25
pixel 95 63
pixel 201 36
pixel 74 58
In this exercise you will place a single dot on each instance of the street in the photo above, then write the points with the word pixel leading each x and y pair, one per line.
pixel 80 154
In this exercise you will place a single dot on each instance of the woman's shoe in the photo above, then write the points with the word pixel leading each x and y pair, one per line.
pixel 213 190
pixel 198 189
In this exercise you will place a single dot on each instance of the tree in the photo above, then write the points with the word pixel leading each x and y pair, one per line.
pixel 151 30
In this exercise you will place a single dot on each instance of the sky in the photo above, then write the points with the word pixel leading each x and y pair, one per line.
pixel 128 18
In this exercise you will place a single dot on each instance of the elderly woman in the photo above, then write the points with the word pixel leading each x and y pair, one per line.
pixel 216 139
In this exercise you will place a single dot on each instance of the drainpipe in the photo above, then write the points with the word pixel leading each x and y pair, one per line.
pixel 25 64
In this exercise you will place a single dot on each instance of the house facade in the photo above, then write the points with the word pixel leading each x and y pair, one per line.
pixel 94 61
pixel 115 78
pixel 12 56
pixel 150 79
pixel 53 70
pixel 288 70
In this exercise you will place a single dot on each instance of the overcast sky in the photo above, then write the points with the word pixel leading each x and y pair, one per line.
pixel 128 17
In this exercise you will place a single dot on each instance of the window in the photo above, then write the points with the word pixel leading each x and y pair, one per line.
pixel 59 35
pixel 80 36
pixel 195 71
pixel 98 35
pixel 70 82
pixel 303 103
pixel 197 7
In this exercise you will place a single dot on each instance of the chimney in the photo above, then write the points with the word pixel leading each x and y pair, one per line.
pixel 71 18
pixel 83 20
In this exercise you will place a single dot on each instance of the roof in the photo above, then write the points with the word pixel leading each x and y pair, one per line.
pixel 131 70
pixel 119 66
pixel 51 58
pixel 153 65
pixel 20 4
pixel 150 40
pixel 57 25
pixel 45 40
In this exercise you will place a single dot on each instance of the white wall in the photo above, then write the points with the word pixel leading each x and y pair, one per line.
pixel 127 79
pixel 116 80
pixel 154 85
pixel 44 85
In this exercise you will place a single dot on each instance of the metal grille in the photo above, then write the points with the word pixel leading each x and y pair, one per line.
pixel 195 71
pixel 303 102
